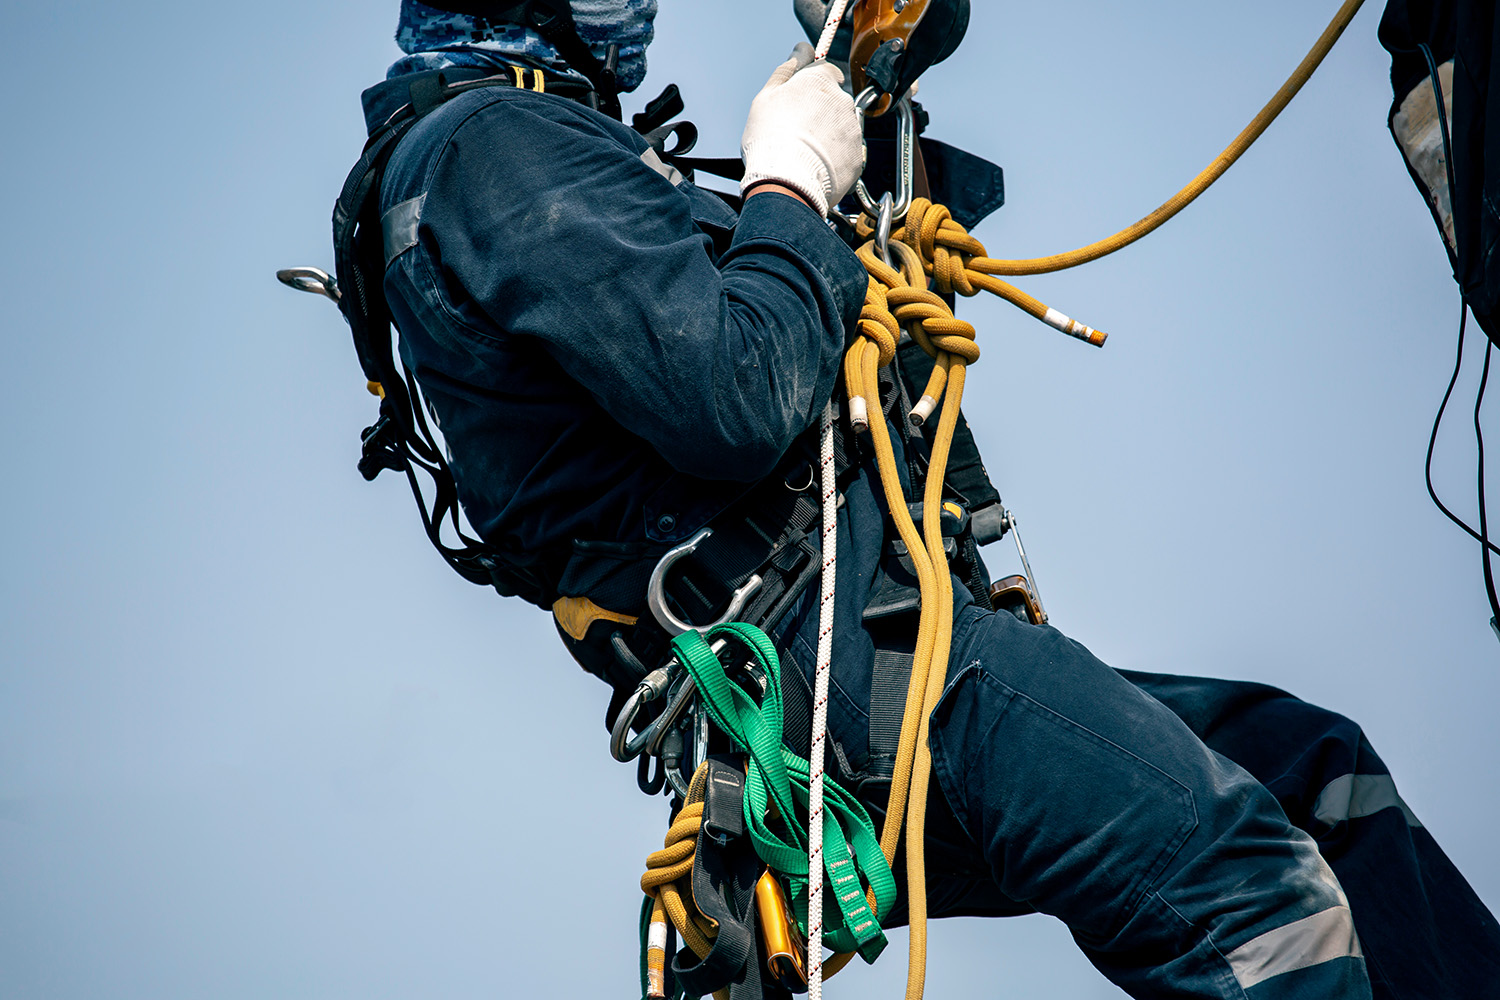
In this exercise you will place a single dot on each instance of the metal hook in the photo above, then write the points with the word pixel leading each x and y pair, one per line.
pixel 656 593
pixel 311 279
pixel 623 746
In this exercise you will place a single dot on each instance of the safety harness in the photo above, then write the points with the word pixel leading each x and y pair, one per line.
pixel 740 877
pixel 911 269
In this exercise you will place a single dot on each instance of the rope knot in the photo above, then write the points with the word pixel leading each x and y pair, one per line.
pixel 944 247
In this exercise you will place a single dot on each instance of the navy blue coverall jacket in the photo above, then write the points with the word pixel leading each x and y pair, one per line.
pixel 612 356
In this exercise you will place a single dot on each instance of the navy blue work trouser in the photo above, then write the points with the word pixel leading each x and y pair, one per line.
pixel 1187 830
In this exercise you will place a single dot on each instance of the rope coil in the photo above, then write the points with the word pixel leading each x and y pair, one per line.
pixel 957 264
pixel 668 881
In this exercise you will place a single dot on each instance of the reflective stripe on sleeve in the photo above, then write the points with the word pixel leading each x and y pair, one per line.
pixel 662 167
pixel 1354 795
pixel 399 226
pixel 1301 944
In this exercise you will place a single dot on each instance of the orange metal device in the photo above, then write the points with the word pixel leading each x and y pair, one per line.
pixel 786 952
pixel 1016 593
pixel 875 23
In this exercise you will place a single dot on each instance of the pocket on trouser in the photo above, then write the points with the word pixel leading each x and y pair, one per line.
pixel 1070 822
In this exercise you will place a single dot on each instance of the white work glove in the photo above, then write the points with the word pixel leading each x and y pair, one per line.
pixel 803 132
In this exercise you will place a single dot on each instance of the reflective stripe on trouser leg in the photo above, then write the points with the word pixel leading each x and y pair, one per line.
pixel 1354 796
pixel 1423 929
pixel 1095 804
pixel 1323 937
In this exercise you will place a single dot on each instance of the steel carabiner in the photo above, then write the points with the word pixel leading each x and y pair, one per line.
pixel 884 220
pixel 311 279
pixel 906 159
pixel 622 747
pixel 656 590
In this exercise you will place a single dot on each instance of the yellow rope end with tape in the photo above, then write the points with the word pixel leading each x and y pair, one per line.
pixel 668 880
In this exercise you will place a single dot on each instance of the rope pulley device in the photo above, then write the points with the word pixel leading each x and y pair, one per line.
pixel 895 41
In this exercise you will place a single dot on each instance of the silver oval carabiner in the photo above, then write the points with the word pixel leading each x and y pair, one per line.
pixel 622 747
pixel 906 169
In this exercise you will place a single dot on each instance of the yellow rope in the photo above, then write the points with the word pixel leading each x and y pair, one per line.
pixel 898 298
pixel 668 880
pixel 954 260
pixel 1199 184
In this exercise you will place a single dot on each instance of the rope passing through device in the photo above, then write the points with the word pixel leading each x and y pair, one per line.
pixel 828 484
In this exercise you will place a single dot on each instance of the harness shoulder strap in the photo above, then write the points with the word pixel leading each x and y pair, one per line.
pixel 401 439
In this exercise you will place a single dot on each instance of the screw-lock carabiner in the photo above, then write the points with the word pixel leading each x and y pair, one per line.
pixel 906 158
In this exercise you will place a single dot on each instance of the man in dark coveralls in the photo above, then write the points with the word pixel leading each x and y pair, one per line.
pixel 616 357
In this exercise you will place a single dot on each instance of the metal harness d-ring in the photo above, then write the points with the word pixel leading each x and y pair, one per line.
pixel 623 746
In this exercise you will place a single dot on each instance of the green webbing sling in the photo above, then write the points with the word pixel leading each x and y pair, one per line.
pixel 778 777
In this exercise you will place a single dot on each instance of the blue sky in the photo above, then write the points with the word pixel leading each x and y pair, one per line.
pixel 257 740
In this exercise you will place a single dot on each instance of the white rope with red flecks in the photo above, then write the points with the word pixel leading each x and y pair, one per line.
pixel 828 482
